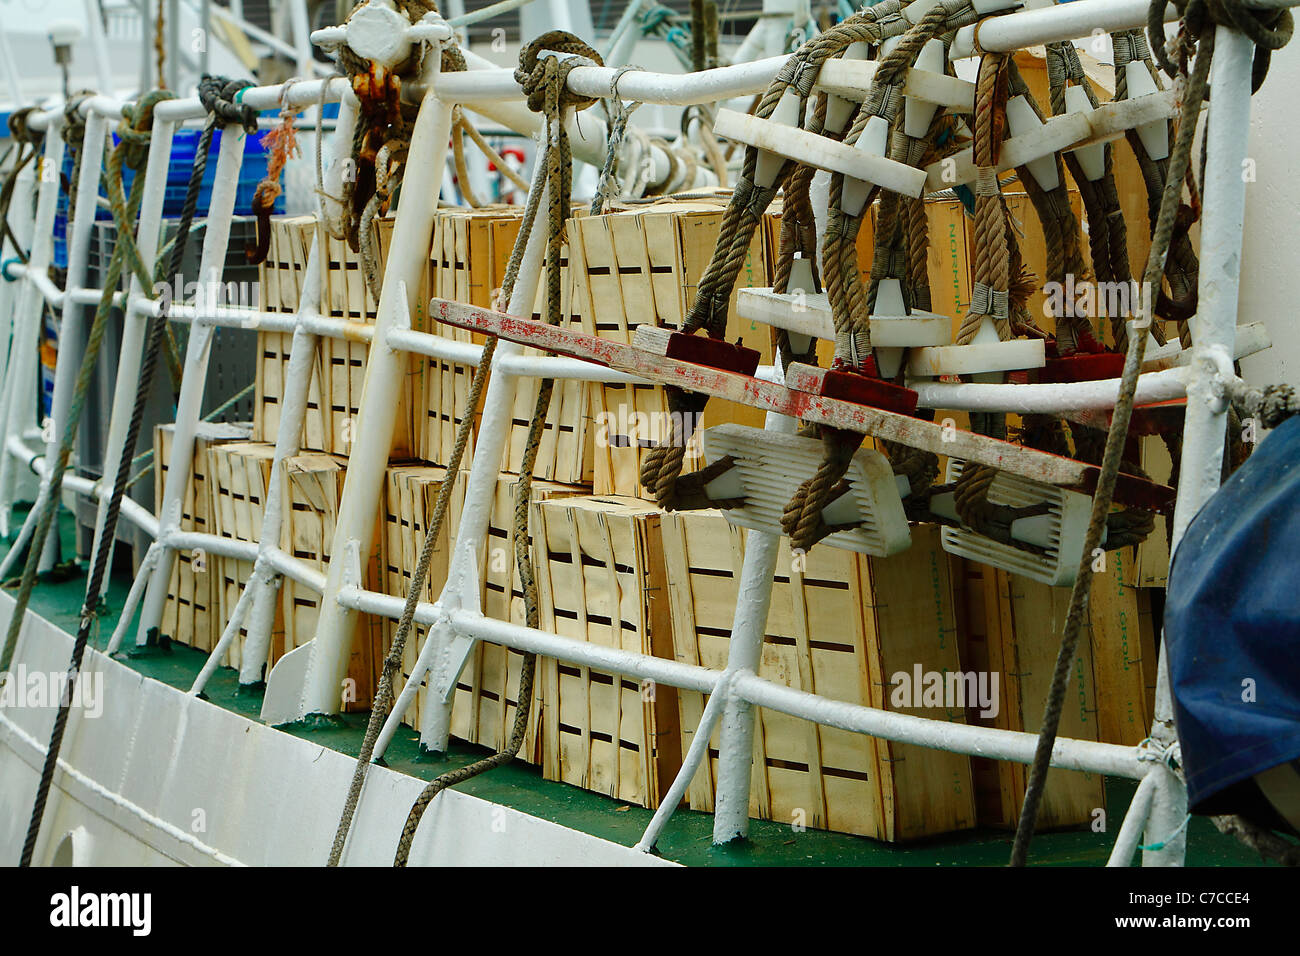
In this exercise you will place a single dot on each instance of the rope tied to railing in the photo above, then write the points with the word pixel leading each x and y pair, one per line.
pixel 661 467
pixel 131 152
pixel 1115 441
pixel 27 141
pixel 851 303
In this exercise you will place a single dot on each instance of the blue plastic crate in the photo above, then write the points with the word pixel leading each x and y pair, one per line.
pixel 184 149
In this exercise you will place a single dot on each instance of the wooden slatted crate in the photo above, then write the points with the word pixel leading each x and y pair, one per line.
pixel 189 616
pixel 409 496
pixel 313 488
pixel 282 277
pixel 485 701
pixel 844 626
pixel 345 295
pixel 239 474
pixel 601 579
pixel 1013 626
pixel 642 266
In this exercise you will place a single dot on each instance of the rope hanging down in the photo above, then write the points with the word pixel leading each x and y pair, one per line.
pixel 661 469
pixel 1200 17
pixel 131 152
pixel 545 85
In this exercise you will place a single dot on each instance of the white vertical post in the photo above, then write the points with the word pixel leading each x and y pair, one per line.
pixel 1214 330
pixel 444 652
pixel 71 321
pixel 21 219
pixel 736 741
pixel 103 68
pixel 326 656
pixel 20 390
pixel 133 323
pixel 194 371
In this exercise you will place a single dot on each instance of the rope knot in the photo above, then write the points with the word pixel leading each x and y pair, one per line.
pixel 543 79
pixel 219 97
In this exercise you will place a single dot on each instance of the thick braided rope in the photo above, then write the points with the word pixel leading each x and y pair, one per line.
pixel 1115 441
pixel 27 142
pixel 549 77
pixel 132 150
pixel 992 271
pixel 802 518
pixel 384 696
pixel 1063 239
pixel 661 466
pixel 1182 267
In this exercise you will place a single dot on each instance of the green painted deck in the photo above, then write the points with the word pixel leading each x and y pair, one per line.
pixel 687 837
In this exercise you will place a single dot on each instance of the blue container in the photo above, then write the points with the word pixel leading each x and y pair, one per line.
pixel 185 145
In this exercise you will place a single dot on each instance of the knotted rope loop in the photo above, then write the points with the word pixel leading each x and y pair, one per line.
pixel 1269 30
pixel 220 97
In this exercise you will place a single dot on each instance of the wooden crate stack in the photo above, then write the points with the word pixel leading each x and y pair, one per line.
pixel 282 278
pixel 190 614
pixel 238 483
pixel 842 625
pixel 641 266
pixel 485 701
pixel 601 579
pixel 312 490
pixel 1013 626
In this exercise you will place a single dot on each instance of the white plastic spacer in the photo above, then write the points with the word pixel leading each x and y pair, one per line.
pixel 1154 136
pixel 918 113
pixel 1092 159
pixel 1022 121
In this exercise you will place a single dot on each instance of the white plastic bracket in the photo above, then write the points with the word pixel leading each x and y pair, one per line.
pixel 768 469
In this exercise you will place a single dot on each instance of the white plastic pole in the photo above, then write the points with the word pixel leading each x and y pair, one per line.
pixel 463 583
pixel 22 371
pixel 133 324
pixel 1214 330
pixel 71 321
pixel 328 653
pixel 736 742
pixel 194 371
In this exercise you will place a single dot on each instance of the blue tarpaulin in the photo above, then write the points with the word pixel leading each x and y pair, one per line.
pixel 1232 627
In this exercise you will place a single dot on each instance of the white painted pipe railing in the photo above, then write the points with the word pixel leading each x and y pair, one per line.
pixel 455 619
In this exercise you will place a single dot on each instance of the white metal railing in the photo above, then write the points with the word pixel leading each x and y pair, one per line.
pixel 307 679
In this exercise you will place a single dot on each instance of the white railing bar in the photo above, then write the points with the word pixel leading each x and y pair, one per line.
pixel 301 94
pixel 132 510
pixel 1067 21
pixel 990 742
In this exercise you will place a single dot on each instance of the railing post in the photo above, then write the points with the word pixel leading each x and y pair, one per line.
pixel 194 370
pixel 21 380
pixel 133 322
pixel 326 656
pixel 749 626
pixel 1214 329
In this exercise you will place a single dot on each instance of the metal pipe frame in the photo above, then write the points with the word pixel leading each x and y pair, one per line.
pixel 455 620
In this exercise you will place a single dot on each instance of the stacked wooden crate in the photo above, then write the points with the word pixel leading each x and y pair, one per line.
pixel 601 579
pixel 282 281
pixel 485 701
pixel 312 490
pixel 641 266
pixel 239 480
pixel 190 614
pixel 844 626
pixel 1013 627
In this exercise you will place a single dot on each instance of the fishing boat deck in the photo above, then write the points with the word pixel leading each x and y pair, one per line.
pixel 687 838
